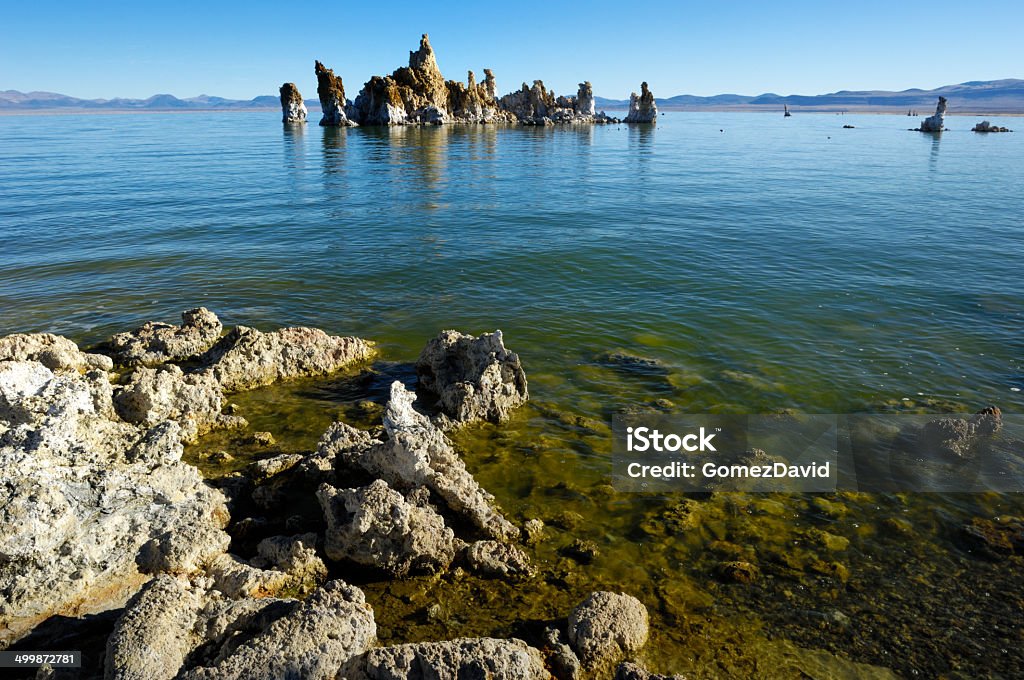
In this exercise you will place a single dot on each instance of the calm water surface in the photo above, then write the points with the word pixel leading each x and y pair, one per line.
pixel 767 263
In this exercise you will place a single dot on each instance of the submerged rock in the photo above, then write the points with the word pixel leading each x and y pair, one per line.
pixel 83 492
pixel 473 378
pixel 52 351
pixel 246 358
pixel 293 107
pixel 630 671
pixel 376 526
pixel 606 628
pixel 416 453
pixel 494 558
pixel 937 122
pixel 642 108
pixel 331 91
pixel 463 658
pixel 156 343
pixel 957 437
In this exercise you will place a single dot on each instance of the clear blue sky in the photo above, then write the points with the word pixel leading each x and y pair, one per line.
pixel 242 49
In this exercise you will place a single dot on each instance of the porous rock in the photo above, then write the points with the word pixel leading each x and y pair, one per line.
pixel 332 625
pixel 473 378
pixel 496 558
pixel 606 628
pixel 416 453
pixel 175 628
pixel 376 526
pixel 156 343
pixel 955 437
pixel 53 351
pixel 154 635
pixel 154 395
pixel 246 358
pixel 83 492
pixel 462 658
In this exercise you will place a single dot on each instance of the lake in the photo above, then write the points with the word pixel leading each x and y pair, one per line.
pixel 762 263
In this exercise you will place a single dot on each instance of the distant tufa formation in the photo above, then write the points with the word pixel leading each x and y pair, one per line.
pixel 293 108
pixel 985 126
pixel 419 94
pixel 936 123
pixel 642 108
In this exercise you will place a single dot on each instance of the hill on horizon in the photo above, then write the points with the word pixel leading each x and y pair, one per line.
pixel 991 96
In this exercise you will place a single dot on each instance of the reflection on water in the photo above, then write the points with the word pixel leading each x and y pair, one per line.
pixel 933 158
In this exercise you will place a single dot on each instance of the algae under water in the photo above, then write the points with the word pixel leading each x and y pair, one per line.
pixel 758 270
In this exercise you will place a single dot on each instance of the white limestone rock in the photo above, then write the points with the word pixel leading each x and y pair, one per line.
pixel 416 453
pixel 83 492
pixel 473 378
pixel 156 343
pixel 463 658
pixel 376 526
pixel 606 628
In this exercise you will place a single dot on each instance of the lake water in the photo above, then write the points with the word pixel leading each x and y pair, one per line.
pixel 765 263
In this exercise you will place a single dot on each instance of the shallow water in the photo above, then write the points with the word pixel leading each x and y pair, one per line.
pixel 767 263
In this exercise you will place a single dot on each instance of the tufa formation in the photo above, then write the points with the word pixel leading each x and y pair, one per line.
pixel 419 94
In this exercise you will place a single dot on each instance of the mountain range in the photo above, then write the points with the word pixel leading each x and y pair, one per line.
pixel 989 96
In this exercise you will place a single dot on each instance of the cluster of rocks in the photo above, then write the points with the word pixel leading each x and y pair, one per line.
pixel 986 126
pixel 92 457
pixel 419 94
pixel 98 511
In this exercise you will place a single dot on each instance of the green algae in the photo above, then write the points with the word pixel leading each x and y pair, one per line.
pixel 837 581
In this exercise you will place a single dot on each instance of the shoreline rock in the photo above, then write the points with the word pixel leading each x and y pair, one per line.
pixel 157 343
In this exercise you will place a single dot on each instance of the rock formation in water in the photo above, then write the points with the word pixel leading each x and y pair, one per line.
pixel 419 94
pixel 331 91
pixel 293 107
pixel 642 108
pixel 936 123
pixel 985 126
pixel 472 378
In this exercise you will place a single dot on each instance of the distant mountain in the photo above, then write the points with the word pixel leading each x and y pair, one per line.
pixel 991 96
pixel 994 96
pixel 33 101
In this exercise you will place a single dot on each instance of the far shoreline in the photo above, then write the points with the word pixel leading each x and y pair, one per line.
pixel 724 109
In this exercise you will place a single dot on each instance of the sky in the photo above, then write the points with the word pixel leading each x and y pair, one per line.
pixel 244 49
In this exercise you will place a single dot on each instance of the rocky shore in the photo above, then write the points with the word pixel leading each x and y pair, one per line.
pixel 419 94
pixel 100 513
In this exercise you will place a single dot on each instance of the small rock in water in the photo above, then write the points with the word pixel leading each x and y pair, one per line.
pixel 582 551
pixel 263 439
pixel 737 572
